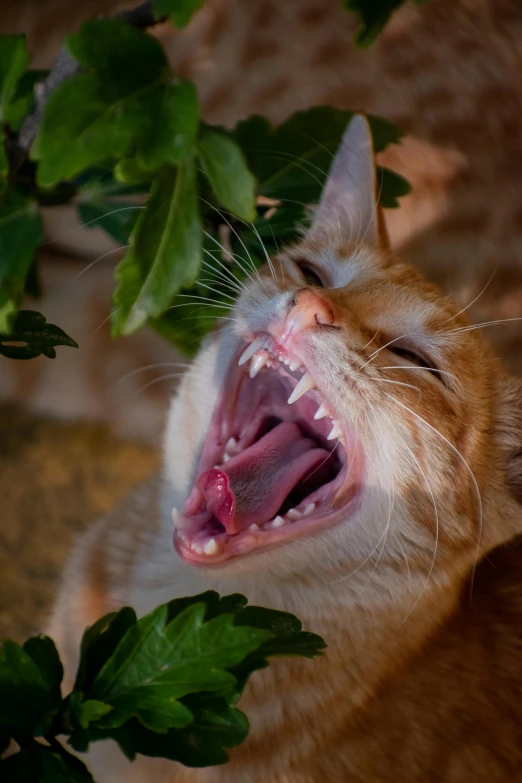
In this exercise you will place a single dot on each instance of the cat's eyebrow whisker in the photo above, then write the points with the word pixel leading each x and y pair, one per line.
pixel 231 227
pixel 155 381
pixel 475 299
pixel 217 281
pixel 464 462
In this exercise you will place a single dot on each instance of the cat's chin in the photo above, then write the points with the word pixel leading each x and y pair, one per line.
pixel 276 464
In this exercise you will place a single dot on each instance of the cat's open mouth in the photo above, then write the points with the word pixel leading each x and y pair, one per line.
pixel 275 464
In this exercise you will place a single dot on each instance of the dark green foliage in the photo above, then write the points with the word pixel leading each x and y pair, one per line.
pixel 30 335
pixel 124 125
pixel 165 685
pixel 373 15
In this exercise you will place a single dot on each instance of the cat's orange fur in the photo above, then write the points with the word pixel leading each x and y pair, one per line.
pixel 422 677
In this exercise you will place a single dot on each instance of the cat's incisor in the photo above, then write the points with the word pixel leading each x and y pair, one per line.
pixel 357 466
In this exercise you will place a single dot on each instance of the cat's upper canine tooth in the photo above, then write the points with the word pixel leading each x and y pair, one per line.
pixel 180 522
pixel 305 384
pixel 336 431
pixel 231 446
pixel 250 350
pixel 257 363
pixel 321 412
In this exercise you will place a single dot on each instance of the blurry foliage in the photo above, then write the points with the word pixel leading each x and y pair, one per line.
pixel 197 206
pixel 165 685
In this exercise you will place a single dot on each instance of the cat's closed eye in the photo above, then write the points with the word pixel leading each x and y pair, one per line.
pixel 414 357
pixel 310 275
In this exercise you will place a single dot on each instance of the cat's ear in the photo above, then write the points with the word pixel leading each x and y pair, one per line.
pixel 348 206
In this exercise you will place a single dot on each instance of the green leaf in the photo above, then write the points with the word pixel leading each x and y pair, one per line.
pixel 292 161
pixel 117 218
pixel 4 168
pixel 157 662
pixel 29 690
pixel 173 115
pixel 86 712
pixel 102 114
pixel 99 642
pixel 179 11
pixel 165 251
pixel 373 16
pixel 391 187
pixel 225 166
pixel 20 235
pixel 22 99
pixel 14 58
pixel 43 651
pixel 40 764
pixel 38 337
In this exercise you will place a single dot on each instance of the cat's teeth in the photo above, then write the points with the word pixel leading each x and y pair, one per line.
pixel 226 457
pixel 180 522
pixel 336 431
pixel 278 522
pixel 295 365
pixel 257 363
pixel 254 527
pixel 254 346
pixel 293 514
pixel 321 412
pixel 231 447
pixel 305 384
pixel 308 509
pixel 211 547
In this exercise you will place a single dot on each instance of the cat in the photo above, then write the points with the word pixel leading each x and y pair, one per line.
pixel 346 448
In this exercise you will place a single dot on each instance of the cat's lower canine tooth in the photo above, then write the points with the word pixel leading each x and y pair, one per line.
pixel 321 412
pixel 305 384
pixel 336 431
pixel 210 547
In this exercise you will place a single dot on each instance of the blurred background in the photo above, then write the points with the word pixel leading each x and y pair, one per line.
pixel 77 432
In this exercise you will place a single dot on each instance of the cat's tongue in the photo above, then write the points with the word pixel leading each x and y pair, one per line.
pixel 253 485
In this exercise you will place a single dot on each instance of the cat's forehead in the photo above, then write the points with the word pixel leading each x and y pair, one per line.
pixel 342 263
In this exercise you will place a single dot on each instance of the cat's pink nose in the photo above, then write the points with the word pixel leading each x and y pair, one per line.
pixel 309 309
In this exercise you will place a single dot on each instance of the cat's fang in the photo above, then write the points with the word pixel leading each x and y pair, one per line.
pixel 336 431
pixel 305 384
pixel 231 447
pixel 254 346
pixel 321 412
pixel 257 363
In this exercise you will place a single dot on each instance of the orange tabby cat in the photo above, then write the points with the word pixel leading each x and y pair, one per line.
pixel 348 450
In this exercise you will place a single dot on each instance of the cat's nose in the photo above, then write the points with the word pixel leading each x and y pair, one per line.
pixel 308 310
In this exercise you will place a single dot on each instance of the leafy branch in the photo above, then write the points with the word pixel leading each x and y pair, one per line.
pixel 165 685
pixel 112 130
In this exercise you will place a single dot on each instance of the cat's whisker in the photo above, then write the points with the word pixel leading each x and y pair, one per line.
pixel 464 462
pixel 475 299
pixel 104 255
pixel 482 325
pixel 269 261
pixel 90 223
pixel 378 350
pixel 156 381
pixel 235 257
pixel 398 383
pixel 215 290
pixel 230 278
pixel 423 369
pixel 150 367
pixel 217 281
pixel 221 213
